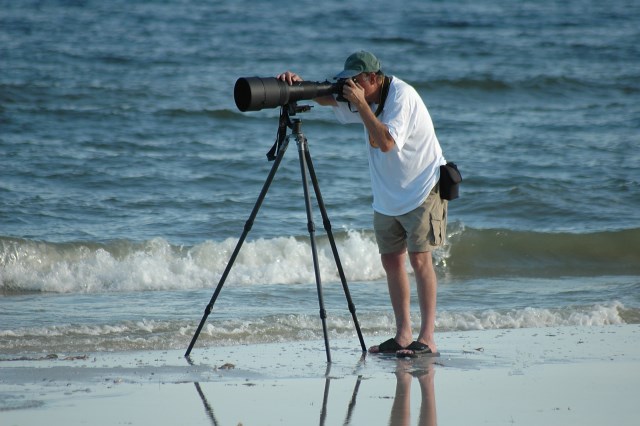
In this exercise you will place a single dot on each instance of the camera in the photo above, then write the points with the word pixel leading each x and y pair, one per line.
pixel 256 93
pixel 340 87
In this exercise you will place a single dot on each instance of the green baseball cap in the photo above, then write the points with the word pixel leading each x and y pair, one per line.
pixel 359 62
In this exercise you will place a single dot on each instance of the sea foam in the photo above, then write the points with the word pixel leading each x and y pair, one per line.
pixel 28 266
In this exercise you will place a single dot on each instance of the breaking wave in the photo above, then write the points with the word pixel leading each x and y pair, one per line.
pixel 91 267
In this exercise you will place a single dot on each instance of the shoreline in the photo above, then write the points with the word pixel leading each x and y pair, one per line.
pixel 561 375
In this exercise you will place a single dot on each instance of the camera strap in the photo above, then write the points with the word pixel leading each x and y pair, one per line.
pixel 281 135
pixel 384 91
pixel 386 83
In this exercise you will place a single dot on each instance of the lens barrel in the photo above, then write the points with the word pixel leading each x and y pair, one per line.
pixel 255 93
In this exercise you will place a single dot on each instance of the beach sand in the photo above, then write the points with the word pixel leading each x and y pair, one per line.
pixel 552 376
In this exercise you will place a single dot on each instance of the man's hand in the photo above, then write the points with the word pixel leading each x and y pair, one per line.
pixel 289 77
pixel 379 136
pixel 354 93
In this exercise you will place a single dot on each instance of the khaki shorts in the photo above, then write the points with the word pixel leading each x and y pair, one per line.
pixel 422 229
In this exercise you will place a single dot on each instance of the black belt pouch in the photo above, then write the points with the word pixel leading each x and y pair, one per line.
pixel 450 179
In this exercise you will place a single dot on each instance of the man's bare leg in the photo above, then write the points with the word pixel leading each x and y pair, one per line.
pixel 400 295
pixel 427 286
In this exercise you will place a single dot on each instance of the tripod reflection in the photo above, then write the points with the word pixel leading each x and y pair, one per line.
pixel 352 402
pixel 207 407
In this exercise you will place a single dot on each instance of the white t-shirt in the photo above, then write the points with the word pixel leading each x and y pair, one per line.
pixel 401 178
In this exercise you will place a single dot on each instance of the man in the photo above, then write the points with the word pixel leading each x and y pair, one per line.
pixel 404 162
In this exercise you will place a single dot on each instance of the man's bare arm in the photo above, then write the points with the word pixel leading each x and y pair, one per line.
pixel 290 77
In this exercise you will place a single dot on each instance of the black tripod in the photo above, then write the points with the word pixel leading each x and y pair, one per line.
pixel 277 153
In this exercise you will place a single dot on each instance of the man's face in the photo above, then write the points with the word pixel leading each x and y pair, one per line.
pixel 367 82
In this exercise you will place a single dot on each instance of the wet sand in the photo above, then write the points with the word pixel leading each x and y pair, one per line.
pixel 564 376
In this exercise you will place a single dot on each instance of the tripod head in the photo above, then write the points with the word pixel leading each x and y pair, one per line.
pixel 293 108
pixel 286 112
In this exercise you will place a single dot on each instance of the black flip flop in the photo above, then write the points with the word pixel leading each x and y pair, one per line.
pixel 417 349
pixel 389 347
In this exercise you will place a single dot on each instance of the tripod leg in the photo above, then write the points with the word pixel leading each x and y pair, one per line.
pixel 334 248
pixel 247 228
pixel 311 227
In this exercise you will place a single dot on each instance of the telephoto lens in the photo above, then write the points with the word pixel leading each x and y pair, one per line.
pixel 256 93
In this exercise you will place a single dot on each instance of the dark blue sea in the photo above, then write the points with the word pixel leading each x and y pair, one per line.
pixel 127 174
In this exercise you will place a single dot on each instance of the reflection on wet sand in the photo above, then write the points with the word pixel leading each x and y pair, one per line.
pixel 352 403
pixel 207 407
pixel 406 371
pixel 424 373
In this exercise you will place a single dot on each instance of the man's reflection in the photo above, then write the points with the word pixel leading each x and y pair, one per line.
pixel 401 410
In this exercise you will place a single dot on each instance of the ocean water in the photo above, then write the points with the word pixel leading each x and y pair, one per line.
pixel 127 173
